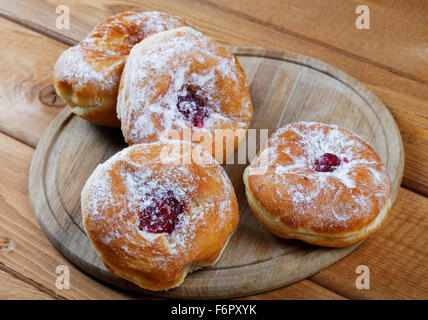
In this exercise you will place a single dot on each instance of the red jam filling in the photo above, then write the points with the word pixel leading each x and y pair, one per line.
pixel 162 215
pixel 328 162
pixel 192 109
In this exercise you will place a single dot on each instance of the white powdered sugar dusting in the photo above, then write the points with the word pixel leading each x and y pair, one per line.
pixel 170 65
pixel 72 67
pixel 143 183
pixel 292 172
pixel 99 58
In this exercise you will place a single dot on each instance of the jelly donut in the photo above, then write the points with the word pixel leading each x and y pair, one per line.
pixel 87 75
pixel 318 183
pixel 181 80
pixel 153 219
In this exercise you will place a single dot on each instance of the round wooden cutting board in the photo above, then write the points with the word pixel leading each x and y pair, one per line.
pixel 285 87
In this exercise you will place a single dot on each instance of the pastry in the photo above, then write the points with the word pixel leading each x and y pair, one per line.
pixel 318 183
pixel 154 216
pixel 87 75
pixel 182 81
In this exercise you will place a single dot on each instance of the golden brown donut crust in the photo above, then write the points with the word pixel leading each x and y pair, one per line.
pixel 162 68
pixel 87 75
pixel 333 209
pixel 117 190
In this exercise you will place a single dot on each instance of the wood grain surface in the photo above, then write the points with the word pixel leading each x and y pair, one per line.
pixel 272 24
pixel 284 87
pixel 27 58
pixel 13 288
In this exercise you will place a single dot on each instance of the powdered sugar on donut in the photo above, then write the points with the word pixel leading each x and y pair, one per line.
pixel 99 58
pixel 161 69
pixel 73 68
pixel 142 182
pixel 360 178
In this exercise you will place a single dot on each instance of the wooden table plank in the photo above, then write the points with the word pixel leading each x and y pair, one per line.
pixel 299 291
pixel 397 256
pixel 12 288
pixel 411 12
pixel 406 98
pixel 26 63
pixel 33 257
pixel 386 44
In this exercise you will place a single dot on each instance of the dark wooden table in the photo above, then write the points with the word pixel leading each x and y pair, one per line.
pixel 391 59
